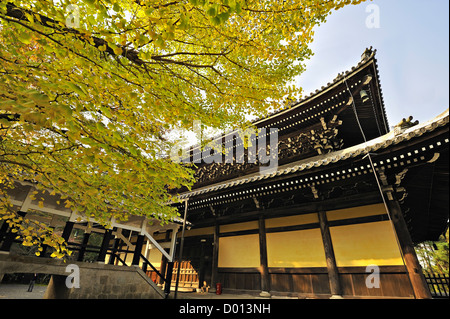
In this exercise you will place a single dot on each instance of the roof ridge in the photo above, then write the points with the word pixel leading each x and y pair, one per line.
pixel 367 55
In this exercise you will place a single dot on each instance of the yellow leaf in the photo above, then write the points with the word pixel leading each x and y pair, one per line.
pixel 118 51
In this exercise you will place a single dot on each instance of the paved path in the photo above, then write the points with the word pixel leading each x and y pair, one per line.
pixel 195 295
pixel 18 291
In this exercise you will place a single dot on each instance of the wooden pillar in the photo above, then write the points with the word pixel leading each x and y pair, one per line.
pixel 264 270
pixel 138 250
pixel 83 246
pixel 9 236
pixel 8 240
pixel 112 257
pixel 67 231
pixel 333 275
pixel 168 279
pixel 412 264
pixel 3 230
pixel 104 246
pixel 201 271
pixel 180 257
pixel 215 259
pixel 163 266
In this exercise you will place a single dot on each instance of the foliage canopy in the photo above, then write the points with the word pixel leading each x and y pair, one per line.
pixel 90 89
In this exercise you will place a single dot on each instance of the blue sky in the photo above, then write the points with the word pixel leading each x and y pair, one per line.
pixel 412 44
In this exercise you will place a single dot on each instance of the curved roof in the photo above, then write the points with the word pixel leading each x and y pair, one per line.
pixel 322 100
pixel 392 138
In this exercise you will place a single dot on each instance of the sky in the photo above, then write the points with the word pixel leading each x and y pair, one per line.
pixel 412 43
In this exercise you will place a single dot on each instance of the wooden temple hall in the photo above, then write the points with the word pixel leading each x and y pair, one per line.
pixel 337 217
pixel 315 225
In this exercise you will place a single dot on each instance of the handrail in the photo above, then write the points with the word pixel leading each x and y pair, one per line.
pixel 120 259
pixel 95 249
pixel 153 268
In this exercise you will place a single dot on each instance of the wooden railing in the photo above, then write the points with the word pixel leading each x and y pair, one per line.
pixel 438 284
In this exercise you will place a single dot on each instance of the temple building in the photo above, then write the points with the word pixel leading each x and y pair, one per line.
pixel 337 216
pixel 349 199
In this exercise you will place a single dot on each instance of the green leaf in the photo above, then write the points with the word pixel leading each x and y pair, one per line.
pixel 215 20
pixel 116 7
pixel 76 88
pixel 224 16
pixel 66 109
pixel 211 11
pixel 160 42
pixel 238 8
pixel 149 11
pixel 25 37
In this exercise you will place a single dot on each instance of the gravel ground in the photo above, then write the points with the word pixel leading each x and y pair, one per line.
pixel 18 291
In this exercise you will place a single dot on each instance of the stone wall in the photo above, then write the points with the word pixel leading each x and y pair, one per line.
pixel 95 280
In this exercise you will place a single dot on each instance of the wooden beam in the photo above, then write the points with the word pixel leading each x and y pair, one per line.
pixel 180 257
pixel 112 257
pixel 124 239
pixel 67 231
pixel 163 266
pixel 27 201
pixel 412 264
pixel 138 250
pixel 173 242
pixel 333 275
pixel 215 258
pixel 168 279
pixel 305 208
pixel 265 279
pixel 405 243
pixel 42 209
pixel 104 246
pixel 83 246
pixel 157 245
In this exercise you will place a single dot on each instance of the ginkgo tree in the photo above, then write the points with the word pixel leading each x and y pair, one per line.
pixel 90 90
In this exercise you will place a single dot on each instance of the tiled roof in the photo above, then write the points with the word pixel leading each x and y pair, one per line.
pixel 367 57
pixel 392 138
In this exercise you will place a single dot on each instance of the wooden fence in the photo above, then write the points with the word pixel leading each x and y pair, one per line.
pixel 438 284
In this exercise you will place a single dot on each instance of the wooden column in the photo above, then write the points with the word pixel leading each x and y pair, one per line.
pixel 264 270
pixel 67 231
pixel 168 282
pixel 215 259
pixel 162 268
pixel 138 250
pixel 333 275
pixel 8 237
pixel 412 264
pixel 3 230
pixel 104 246
pixel 112 257
pixel 180 257
pixel 83 246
